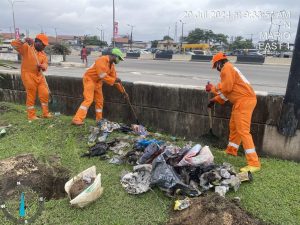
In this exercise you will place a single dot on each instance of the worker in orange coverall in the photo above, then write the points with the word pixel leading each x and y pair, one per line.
pixel 236 88
pixel 34 61
pixel 103 70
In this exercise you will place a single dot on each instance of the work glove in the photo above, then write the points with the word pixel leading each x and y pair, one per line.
pixel 208 87
pixel 41 67
pixel 29 41
pixel 211 103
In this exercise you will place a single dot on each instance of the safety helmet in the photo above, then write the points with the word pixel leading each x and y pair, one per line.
pixel 217 57
pixel 117 52
pixel 43 38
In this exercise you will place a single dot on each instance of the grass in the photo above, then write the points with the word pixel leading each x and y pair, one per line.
pixel 273 196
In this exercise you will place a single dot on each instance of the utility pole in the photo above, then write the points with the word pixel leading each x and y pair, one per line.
pixel 12 2
pixel 175 33
pixel 55 34
pixel 131 40
pixel 114 44
pixel 181 34
pixel 290 116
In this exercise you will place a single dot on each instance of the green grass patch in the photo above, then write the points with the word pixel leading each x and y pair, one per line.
pixel 273 196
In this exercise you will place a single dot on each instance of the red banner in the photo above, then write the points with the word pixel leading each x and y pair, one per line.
pixel 116 29
pixel 17 33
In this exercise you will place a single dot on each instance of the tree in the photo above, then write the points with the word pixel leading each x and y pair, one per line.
pixel 167 38
pixel 199 36
pixel 239 43
pixel 93 40
pixel 154 44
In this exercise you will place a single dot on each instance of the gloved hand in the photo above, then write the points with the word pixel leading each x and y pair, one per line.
pixel 118 80
pixel 208 87
pixel 29 41
pixel 211 103
pixel 41 67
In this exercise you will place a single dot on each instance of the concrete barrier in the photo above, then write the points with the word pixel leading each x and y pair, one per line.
pixel 146 56
pixel 55 58
pixel 178 57
pixel 278 61
pixel 163 56
pixel 250 59
pixel 133 55
pixel 9 56
pixel 202 58
pixel 177 110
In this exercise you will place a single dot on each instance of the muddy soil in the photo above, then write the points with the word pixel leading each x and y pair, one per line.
pixel 78 187
pixel 44 179
pixel 213 210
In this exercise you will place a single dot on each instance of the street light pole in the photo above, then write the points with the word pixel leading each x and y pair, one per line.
pixel 181 35
pixel 12 2
pixel 114 44
pixel 131 35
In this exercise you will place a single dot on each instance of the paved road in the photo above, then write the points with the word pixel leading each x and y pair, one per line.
pixel 269 78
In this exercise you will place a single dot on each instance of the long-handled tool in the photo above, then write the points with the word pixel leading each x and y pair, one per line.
pixel 129 103
pixel 210 137
pixel 38 63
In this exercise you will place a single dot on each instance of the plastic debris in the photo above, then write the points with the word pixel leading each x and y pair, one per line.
pixel 245 176
pixel 139 130
pixel 221 190
pixel 138 181
pixel 151 152
pixel 2 132
pixel 182 204
pixel 116 160
pixel 119 147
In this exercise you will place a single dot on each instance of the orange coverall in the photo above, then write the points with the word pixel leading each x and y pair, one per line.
pixel 32 78
pixel 237 89
pixel 93 79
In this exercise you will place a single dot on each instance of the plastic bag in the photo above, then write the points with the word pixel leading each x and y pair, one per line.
pixel 205 158
pixel 164 176
pixel 191 153
pixel 91 193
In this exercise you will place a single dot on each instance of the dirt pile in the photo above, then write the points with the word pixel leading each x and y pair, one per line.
pixel 214 210
pixel 78 187
pixel 47 180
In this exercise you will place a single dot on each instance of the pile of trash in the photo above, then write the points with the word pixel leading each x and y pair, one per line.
pixel 189 170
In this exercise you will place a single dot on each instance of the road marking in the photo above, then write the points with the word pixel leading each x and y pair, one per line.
pixel 136 73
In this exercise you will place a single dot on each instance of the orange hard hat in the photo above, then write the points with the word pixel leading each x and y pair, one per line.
pixel 43 38
pixel 217 57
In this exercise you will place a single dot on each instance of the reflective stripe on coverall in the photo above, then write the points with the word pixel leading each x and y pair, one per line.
pixel 237 89
pixel 32 78
pixel 93 79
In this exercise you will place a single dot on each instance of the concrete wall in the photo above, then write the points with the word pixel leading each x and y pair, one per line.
pixel 177 110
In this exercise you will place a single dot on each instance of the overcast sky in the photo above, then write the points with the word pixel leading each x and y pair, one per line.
pixel 152 19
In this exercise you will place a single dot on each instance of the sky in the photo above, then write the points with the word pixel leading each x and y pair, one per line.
pixel 153 19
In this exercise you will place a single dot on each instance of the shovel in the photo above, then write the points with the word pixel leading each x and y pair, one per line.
pixel 129 103
pixel 210 137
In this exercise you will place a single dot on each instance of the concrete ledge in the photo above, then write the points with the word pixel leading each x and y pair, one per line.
pixel 178 110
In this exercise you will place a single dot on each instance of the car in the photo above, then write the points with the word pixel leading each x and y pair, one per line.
pixel 190 53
